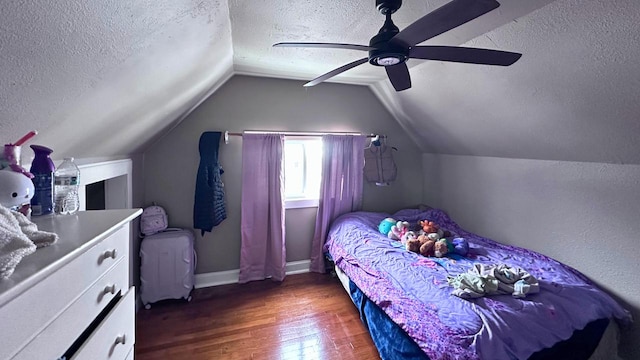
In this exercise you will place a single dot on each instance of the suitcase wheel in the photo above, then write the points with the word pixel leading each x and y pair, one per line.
pixel 147 306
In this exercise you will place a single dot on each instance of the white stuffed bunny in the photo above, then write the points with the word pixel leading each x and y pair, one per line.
pixel 19 236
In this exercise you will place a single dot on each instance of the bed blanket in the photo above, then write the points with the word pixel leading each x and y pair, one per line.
pixel 414 292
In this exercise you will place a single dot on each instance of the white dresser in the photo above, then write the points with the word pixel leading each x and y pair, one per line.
pixel 73 298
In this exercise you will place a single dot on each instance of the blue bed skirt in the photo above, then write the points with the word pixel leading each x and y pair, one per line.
pixel 394 344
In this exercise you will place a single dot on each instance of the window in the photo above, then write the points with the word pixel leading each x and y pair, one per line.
pixel 302 171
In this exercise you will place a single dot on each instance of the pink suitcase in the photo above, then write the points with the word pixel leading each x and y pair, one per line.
pixel 167 266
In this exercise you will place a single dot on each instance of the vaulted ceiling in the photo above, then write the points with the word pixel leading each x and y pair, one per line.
pixel 107 78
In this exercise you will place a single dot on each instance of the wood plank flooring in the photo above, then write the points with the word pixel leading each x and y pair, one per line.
pixel 307 316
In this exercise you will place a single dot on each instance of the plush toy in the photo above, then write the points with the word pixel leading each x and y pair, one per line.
pixel 441 247
pixel 413 245
pixel 421 245
pixel 19 236
pixel 426 246
pixel 429 226
pixel 16 190
pixel 434 241
pixel 460 246
pixel 399 230
pixel 434 236
pixel 386 225
pixel 408 236
pixel 445 246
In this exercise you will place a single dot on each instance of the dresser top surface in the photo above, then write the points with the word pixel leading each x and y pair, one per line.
pixel 78 233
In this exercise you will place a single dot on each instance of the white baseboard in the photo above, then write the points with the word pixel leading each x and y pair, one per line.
pixel 232 276
pixel 298 267
pixel 217 278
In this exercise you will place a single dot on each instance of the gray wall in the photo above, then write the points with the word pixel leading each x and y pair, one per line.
pixel 253 103
pixel 583 214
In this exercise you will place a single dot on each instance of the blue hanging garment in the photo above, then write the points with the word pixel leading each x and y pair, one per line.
pixel 208 205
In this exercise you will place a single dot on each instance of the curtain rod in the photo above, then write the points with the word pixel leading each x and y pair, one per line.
pixel 292 133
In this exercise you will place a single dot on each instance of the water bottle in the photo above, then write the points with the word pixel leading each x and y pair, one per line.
pixel 42 169
pixel 66 183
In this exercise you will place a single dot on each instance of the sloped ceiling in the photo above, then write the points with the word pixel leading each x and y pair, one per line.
pixel 572 96
pixel 107 78
pixel 259 24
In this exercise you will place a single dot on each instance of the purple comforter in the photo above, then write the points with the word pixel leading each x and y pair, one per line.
pixel 414 292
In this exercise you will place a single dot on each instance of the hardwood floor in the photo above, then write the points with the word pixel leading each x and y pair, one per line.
pixel 307 316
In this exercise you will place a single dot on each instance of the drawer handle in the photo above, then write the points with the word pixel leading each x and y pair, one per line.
pixel 109 289
pixel 109 254
pixel 121 339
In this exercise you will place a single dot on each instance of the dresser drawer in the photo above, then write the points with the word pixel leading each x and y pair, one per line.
pixel 113 339
pixel 36 308
pixel 65 329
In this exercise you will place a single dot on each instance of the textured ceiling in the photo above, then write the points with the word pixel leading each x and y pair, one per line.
pixel 572 96
pixel 107 78
pixel 258 24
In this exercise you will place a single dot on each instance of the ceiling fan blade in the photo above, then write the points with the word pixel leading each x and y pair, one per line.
pixel 324 45
pixel 464 55
pixel 442 19
pixel 399 76
pixel 335 72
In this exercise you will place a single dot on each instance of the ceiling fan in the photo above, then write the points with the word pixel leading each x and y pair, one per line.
pixel 391 47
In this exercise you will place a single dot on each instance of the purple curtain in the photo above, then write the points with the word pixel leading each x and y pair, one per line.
pixel 340 188
pixel 262 253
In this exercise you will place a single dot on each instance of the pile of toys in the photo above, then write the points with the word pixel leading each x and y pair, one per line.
pixel 426 238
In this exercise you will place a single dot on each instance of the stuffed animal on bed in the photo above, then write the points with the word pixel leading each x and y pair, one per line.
pixel 409 235
pixel 425 245
pixel 444 246
pixel 421 245
pixel 398 231
pixel 460 246
pixel 429 226
pixel 386 225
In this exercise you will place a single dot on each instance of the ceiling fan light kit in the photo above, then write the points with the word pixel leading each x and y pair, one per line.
pixel 391 48
pixel 384 52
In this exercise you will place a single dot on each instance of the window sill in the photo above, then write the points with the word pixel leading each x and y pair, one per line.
pixel 300 203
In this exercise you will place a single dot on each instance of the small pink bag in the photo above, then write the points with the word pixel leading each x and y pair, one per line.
pixel 153 220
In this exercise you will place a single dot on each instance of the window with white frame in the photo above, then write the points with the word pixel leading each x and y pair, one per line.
pixel 302 171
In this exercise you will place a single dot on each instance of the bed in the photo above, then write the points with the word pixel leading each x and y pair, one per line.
pixel 406 302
